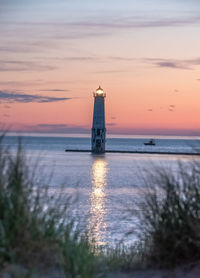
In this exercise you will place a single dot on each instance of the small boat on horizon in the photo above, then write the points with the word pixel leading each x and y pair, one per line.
pixel 151 142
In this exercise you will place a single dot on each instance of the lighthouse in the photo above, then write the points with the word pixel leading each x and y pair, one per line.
pixel 98 139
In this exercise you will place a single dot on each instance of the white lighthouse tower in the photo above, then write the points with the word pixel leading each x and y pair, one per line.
pixel 98 127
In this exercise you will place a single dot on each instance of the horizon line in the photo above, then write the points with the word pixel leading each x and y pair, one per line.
pixel 88 135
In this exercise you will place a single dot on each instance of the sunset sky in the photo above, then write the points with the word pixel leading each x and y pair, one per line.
pixel 145 54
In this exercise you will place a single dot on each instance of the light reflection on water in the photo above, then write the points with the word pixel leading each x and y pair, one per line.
pixel 97 224
pixel 106 185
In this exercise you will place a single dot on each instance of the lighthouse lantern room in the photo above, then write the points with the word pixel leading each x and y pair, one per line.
pixel 98 139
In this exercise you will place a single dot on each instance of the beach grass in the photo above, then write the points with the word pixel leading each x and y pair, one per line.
pixel 36 226
pixel 167 221
pixel 38 231
pixel 169 215
pixel 123 257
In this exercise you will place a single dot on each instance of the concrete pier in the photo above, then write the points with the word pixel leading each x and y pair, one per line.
pixel 136 152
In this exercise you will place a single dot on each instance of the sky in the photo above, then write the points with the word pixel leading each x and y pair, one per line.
pixel 145 55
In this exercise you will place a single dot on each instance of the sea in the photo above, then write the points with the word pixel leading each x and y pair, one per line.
pixel 105 186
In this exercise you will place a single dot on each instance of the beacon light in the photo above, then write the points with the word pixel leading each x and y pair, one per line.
pixel 99 91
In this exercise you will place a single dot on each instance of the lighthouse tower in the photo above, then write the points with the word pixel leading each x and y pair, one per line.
pixel 98 127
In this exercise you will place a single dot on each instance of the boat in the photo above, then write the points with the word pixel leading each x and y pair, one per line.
pixel 151 142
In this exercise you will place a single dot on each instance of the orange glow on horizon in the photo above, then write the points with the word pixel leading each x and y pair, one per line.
pixel 151 78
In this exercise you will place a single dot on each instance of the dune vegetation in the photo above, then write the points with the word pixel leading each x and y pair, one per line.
pixel 36 229
pixel 38 232
pixel 169 215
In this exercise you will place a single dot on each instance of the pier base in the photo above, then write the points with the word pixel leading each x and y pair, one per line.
pixel 135 152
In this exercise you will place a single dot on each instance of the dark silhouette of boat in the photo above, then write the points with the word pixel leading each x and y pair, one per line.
pixel 151 142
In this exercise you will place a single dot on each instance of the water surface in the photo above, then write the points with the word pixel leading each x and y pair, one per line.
pixel 106 184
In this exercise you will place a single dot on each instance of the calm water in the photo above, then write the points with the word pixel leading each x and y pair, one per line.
pixel 106 184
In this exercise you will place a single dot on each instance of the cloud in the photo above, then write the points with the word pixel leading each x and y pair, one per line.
pixel 6 115
pixel 13 97
pixel 26 47
pixel 46 34
pixel 21 83
pixel 198 79
pixel 79 58
pixel 7 106
pixel 54 90
pixel 14 65
pixel 168 65
pixel 91 26
pixel 36 83
pixel 119 58
pixel 111 124
pixel 150 110
pixel 51 128
pixel 112 71
pixel 173 63
pixel 135 22
pixel 52 125
pixel 73 58
pixel 186 64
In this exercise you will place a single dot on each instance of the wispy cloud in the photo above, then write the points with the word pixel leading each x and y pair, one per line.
pixel 99 25
pixel 38 83
pixel 50 128
pixel 14 65
pixel 54 90
pixel 111 124
pixel 6 115
pixel 120 58
pixel 26 47
pixel 102 22
pixel 169 64
pixel 186 64
pixel 111 71
pixel 139 22
pixel 20 83
pixel 173 63
pixel 61 128
pixel 12 97
pixel 79 58
pixel 7 106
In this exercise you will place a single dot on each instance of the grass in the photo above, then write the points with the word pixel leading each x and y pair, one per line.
pixel 169 216
pixel 123 258
pixel 36 229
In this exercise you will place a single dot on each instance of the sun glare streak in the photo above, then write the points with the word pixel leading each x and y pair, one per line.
pixel 97 225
